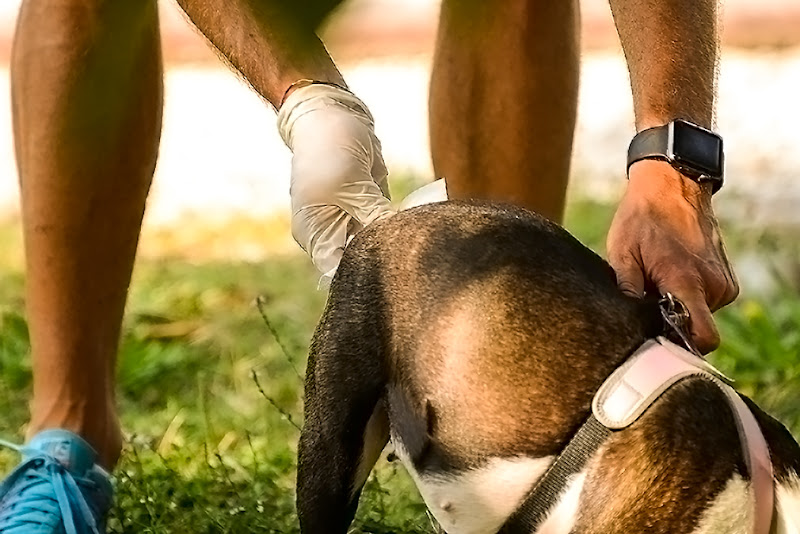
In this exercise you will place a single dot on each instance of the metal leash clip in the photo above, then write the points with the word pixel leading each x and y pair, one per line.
pixel 676 316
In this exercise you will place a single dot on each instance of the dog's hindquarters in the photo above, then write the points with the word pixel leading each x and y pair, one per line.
pixel 515 292
pixel 484 333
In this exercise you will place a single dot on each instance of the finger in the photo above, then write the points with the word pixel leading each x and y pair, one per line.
pixel 719 286
pixel 322 232
pixel 630 278
pixel 702 327
pixel 731 290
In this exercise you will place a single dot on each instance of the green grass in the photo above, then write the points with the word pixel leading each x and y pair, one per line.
pixel 210 397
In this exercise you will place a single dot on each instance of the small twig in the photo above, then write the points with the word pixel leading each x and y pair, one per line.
pixel 205 453
pixel 165 463
pixel 283 412
pixel 260 303
pixel 205 509
pixel 213 519
pixel 252 450
pixel 225 472
pixel 381 493
pixel 147 491
pixel 201 394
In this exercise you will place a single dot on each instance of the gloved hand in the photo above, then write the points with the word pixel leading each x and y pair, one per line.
pixel 338 183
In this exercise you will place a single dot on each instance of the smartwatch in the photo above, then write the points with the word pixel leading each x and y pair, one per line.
pixel 691 149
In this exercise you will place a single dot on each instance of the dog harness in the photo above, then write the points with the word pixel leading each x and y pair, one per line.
pixel 656 366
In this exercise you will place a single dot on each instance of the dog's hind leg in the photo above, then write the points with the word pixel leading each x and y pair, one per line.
pixel 346 426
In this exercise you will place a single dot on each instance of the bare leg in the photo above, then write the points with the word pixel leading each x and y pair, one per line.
pixel 87 96
pixel 503 100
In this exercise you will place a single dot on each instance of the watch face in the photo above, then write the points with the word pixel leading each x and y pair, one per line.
pixel 697 148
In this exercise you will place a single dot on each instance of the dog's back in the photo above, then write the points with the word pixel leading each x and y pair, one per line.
pixel 501 327
pixel 481 333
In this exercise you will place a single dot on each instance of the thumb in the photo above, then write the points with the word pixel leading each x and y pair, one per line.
pixel 630 278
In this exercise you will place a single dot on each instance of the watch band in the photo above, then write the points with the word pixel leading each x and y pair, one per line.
pixel 651 143
pixel 693 151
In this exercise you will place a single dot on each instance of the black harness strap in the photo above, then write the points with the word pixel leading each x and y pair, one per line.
pixel 548 489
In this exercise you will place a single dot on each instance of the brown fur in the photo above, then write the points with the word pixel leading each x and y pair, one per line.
pixel 661 473
pixel 484 331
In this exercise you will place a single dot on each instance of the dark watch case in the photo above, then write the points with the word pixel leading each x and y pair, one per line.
pixel 693 150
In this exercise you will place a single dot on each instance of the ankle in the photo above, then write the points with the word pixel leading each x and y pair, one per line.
pixel 103 434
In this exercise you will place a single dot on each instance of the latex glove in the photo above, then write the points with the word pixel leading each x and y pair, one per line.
pixel 338 183
pixel 664 236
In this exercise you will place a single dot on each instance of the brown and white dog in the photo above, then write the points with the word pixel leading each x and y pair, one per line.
pixel 475 336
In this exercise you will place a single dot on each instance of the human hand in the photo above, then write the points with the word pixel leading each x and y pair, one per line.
pixel 665 237
pixel 338 182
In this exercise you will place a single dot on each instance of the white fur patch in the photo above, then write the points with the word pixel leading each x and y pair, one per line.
pixel 480 500
pixel 562 518
pixel 731 512
pixel 788 506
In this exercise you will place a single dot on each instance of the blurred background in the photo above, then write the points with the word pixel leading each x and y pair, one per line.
pixel 220 153
pixel 211 395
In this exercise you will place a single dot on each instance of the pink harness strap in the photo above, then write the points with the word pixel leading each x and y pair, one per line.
pixel 651 370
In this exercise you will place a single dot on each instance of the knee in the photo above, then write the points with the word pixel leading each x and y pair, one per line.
pixel 314 12
pixel 78 14
pixel 98 7
pixel 513 16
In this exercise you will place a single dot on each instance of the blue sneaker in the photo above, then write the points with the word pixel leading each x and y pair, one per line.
pixel 57 489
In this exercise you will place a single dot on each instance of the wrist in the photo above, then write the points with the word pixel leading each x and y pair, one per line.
pixel 297 84
pixel 658 178
pixel 653 120
pixel 305 82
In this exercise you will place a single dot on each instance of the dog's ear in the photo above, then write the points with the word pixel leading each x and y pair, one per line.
pixel 346 425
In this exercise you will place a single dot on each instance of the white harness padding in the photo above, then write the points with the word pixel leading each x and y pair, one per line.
pixel 651 370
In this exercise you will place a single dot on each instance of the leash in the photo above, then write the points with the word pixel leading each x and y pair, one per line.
pixel 676 317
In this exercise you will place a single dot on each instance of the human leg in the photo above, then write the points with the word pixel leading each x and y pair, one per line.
pixel 86 97
pixel 503 100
